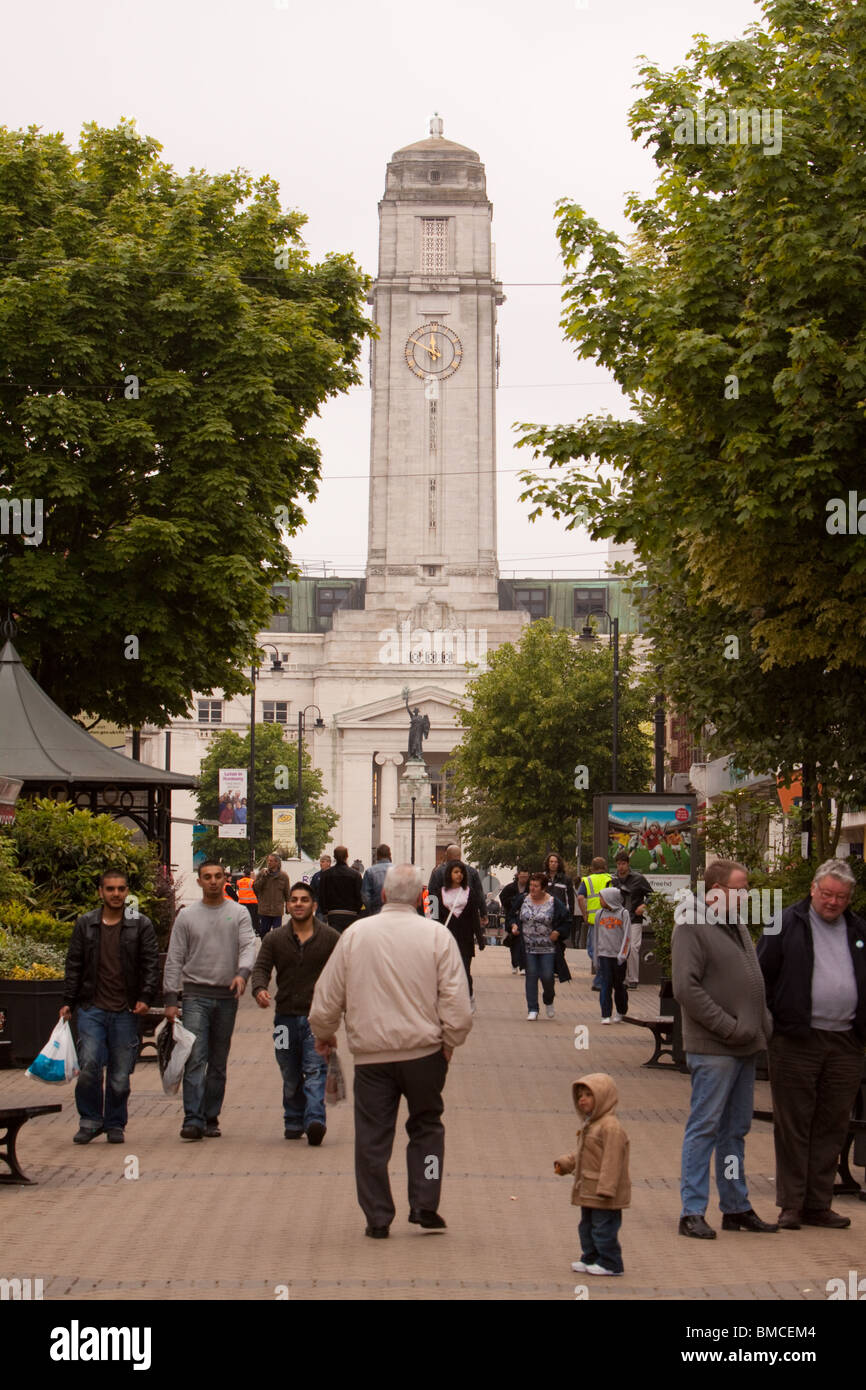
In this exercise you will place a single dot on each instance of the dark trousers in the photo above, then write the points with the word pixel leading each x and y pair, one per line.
pixel 515 946
pixel 612 977
pixel 340 918
pixel 466 954
pixel 599 1237
pixel 563 974
pixel 378 1088
pixel 814 1081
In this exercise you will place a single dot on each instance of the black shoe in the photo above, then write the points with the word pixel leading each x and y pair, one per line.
pixel 428 1220
pixel 191 1132
pixel 84 1136
pixel 316 1133
pixel 114 1136
pixel 596 989
pixel 212 1130
pixel 696 1226
pixel 826 1217
pixel 377 1232
pixel 293 1134
pixel 745 1221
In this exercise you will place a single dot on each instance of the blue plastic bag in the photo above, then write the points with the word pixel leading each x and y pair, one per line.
pixel 58 1060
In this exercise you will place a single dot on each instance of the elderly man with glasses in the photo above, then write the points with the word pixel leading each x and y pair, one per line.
pixel 815 974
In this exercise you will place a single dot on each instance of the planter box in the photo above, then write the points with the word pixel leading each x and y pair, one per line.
pixel 649 971
pixel 30 1009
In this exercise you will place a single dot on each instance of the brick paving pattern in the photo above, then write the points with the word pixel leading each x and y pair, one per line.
pixel 247 1215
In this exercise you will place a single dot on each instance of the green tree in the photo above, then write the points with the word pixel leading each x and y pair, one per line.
pixel 542 710
pixel 276 785
pixel 166 342
pixel 734 322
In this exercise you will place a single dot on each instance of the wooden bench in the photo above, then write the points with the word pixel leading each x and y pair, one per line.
pixel 11 1121
pixel 847 1186
pixel 662 1029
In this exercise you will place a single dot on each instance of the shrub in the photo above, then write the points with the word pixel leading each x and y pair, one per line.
pixel 13 884
pixel 20 957
pixel 38 926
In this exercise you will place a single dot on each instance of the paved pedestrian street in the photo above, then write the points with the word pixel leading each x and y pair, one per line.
pixel 250 1216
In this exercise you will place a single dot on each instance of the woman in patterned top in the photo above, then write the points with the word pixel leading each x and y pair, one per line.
pixel 541 920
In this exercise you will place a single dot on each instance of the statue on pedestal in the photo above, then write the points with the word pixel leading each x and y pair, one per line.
pixel 419 729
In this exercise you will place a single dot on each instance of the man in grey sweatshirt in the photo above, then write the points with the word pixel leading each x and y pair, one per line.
pixel 719 986
pixel 210 956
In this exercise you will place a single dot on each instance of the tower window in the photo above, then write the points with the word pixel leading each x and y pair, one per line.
pixel 589 603
pixel 329 598
pixel 435 176
pixel 434 245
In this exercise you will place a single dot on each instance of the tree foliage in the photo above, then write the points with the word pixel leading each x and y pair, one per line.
pixel 276 784
pixel 540 710
pixel 735 324
pixel 165 343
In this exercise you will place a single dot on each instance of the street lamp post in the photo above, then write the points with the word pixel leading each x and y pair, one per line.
pixel 412 841
pixel 320 724
pixel 276 665
pixel 588 635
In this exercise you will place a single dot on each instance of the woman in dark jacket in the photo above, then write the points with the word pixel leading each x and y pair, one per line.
pixel 559 885
pixel 462 912
pixel 519 884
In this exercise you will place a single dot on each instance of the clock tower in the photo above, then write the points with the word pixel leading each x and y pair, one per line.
pixel 432 528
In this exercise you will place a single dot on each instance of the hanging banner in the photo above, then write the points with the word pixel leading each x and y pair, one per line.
pixel 657 832
pixel 232 807
pixel 284 830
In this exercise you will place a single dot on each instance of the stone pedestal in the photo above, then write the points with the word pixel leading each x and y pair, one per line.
pixel 415 782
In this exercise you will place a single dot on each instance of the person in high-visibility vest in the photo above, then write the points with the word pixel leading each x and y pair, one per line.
pixel 248 899
pixel 589 902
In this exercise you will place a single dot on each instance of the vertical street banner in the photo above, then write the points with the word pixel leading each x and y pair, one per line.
pixel 284 830
pixel 232 807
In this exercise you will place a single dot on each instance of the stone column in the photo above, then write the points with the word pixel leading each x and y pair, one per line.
pixel 389 763
pixel 356 824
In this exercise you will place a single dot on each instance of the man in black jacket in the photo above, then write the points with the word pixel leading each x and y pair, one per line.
pixel 815 974
pixel 298 952
pixel 339 895
pixel 112 974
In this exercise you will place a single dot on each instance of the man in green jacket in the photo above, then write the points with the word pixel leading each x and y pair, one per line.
pixel 298 952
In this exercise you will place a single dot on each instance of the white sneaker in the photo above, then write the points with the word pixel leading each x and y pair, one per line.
pixel 579 1267
pixel 514 970
pixel 605 1020
pixel 617 1018
pixel 599 1269
pixel 532 1016
pixel 550 1011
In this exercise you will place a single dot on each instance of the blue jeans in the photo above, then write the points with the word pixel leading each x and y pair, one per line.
pixel 723 1090
pixel 612 977
pixel 106 1040
pixel 599 1237
pixel 204 1078
pixel 304 1072
pixel 539 967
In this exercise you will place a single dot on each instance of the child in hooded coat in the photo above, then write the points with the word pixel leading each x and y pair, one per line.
pixel 601 1181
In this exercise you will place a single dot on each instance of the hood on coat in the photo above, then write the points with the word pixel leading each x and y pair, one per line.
pixel 603 1089
pixel 611 897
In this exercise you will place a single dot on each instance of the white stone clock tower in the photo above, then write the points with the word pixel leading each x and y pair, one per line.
pixel 432 529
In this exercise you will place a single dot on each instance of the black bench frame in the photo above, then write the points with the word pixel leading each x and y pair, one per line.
pixel 11 1120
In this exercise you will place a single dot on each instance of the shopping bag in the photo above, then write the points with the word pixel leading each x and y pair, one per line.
pixel 58 1060
pixel 173 1046
pixel 335 1084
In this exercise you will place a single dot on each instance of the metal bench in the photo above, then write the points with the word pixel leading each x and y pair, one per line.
pixel 11 1121
pixel 662 1029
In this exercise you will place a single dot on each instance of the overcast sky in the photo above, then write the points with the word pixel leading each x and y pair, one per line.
pixel 320 95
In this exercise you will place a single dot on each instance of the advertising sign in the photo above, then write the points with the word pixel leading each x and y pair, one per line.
pixel 657 831
pixel 283 829
pixel 232 808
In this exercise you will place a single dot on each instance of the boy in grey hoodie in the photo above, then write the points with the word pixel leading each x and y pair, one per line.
pixel 612 945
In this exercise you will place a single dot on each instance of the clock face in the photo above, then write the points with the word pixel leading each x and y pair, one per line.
pixel 433 350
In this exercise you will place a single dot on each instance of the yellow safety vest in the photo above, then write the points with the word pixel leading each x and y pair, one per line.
pixel 595 883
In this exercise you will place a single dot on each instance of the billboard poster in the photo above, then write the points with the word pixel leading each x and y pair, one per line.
pixel 657 831
pixel 283 830
pixel 232 807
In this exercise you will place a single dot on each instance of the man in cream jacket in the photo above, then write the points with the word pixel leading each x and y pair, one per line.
pixel 400 982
